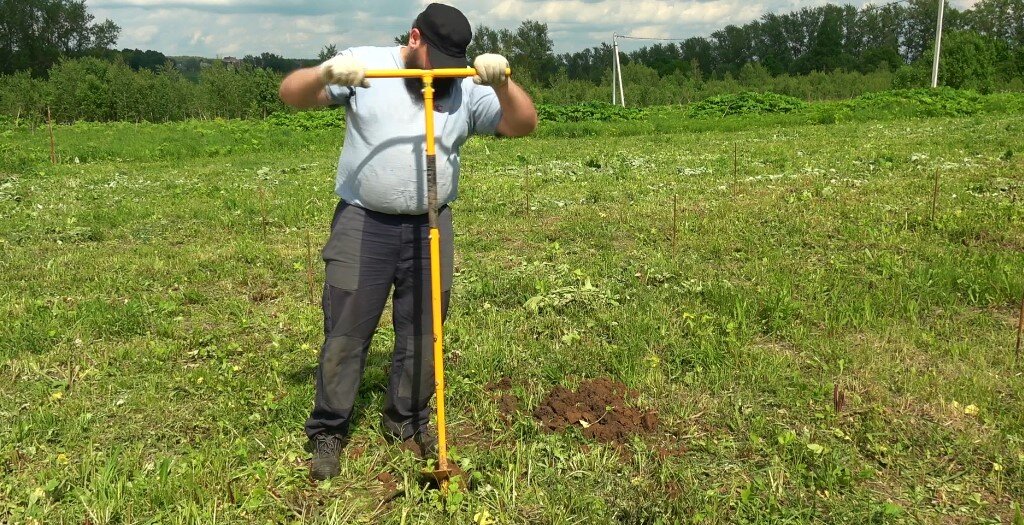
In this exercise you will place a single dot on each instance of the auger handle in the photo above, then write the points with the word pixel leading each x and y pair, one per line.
pixel 455 72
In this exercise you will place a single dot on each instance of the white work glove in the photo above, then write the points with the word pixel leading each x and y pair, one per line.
pixel 490 70
pixel 344 70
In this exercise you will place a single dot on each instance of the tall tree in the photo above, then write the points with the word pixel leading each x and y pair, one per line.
pixel 663 58
pixel 770 44
pixel 699 53
pixel 487 40
pixel 826 51
pixel 919 26
pixel 968 61
pixel 589 64
pixel 532 50
pixel 327 52
pixel 34 34
pixel 732 48
pixel 999 19
pixel 880 28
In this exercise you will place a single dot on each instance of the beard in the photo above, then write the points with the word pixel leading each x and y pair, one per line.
pixel 442 86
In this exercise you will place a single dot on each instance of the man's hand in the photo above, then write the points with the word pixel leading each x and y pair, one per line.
pixel 344 71
pixel 490 70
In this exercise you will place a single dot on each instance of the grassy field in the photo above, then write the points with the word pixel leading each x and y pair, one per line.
pixel 160 330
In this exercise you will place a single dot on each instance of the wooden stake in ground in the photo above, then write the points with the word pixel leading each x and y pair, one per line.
pixel 49 124
pixel 263 211
pixel 838 398
pixel 735 159
pixel 309 269
pixel 935 196
pixel 1020 328
pixel 674 223
pixel 526 190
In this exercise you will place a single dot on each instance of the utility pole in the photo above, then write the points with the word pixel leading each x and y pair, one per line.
pixel 938 45
pixel 615 68
pixel 618 67
pixel 617 72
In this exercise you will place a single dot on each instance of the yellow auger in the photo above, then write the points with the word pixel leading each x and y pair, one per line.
pixel 442 473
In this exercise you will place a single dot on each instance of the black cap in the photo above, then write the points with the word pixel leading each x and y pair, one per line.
pixel 447 33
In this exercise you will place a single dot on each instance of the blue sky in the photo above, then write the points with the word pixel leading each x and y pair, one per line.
pixel 300 28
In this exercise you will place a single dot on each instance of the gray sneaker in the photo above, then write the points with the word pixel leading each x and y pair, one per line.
pixel 326 450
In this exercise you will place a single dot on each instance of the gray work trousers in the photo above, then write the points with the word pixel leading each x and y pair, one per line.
pixel 367 254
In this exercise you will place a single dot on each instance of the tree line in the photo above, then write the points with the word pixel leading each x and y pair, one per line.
pixel 823 39
pixel 98 90
pixel 54 54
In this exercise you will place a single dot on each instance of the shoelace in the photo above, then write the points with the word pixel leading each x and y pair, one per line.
pixel 327 445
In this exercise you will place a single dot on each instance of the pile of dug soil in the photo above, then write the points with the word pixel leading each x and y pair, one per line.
pixel 600 407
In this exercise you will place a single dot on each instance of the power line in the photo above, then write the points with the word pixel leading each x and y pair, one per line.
pixel 649 38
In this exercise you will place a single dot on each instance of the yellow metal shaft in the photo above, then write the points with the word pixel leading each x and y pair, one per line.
pixel 428 107
pixel 435 273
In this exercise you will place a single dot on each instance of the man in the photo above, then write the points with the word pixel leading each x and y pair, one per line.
pixel 379 234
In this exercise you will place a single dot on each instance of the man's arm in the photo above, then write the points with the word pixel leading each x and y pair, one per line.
pixel 304 89
pixel 518 115
pixel 307 87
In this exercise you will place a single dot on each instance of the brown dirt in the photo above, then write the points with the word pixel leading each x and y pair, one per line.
pixel 599 406
pixel 388 481
pixel 508 403
pixel 673 490
pixel 502 385
pixel 412 446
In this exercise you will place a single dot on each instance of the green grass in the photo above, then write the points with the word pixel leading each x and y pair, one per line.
pixel 159 334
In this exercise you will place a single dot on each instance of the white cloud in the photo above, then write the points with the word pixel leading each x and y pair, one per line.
pixel 141 34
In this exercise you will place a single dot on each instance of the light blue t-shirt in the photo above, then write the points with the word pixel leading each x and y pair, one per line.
pixel 383 161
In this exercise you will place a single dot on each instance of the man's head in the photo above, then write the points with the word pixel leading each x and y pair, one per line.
pixel 439 38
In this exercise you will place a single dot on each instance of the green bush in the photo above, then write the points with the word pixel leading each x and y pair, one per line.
pixel 912 76
pixel 23 98
pixel 830 113
pixel 242 92
pixel 90 89
pixel 565 91
pixel 1012 103
pixel 968 61
pixel 80 90
pixel 923 102
pixel 588 111
pixel 745 103
pixel 308 120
